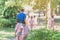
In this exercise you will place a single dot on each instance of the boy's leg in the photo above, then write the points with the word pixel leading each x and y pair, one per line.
pixel 25 36
pixel 21 37
pixel 17 37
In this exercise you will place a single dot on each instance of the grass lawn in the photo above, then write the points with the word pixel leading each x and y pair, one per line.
pixel 6 33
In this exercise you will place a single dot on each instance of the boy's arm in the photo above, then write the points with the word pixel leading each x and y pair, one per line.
pixel 27 22
pixel 17 21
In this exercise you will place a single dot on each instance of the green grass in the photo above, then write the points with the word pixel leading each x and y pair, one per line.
pixel 44 34
pixel 6 33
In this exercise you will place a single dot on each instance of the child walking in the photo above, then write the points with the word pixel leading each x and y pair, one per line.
pixel 31 22
pixel 52 22
pixel 19 31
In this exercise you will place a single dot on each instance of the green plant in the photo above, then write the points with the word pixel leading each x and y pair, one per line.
pixel 43 34
pixel 7 22
pixel 11 12
pixel 56 36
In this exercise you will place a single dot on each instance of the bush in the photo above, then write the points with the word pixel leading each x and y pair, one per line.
pixel 13 22
pixel 7 22
pixel 43 34
pixel 56 36
pixel 3 22
pixel 9 17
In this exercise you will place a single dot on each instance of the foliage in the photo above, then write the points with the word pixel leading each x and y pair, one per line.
pixel 44 34
pixel 7 22
pixel 42 4
pixel 10 10
pixel 2 5
pixel 56 36
pixel 54 4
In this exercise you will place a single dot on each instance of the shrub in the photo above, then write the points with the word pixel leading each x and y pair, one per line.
pixel 7 22
pixel 56 36
pixel 3 22
pixel 13 22
pixel 43 34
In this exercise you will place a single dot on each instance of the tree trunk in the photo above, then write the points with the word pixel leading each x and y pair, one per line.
pixel 48 15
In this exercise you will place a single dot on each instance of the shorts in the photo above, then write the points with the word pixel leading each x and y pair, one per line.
pixel 19 33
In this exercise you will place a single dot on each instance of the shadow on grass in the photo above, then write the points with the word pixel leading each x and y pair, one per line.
pixel 6 29
pixel 6 33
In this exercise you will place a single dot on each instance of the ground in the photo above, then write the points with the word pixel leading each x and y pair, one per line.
pixel 8 33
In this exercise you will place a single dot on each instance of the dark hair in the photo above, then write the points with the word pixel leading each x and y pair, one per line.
pixel 22 9
pixel 34 16
pixel 52 16
pixel 31 17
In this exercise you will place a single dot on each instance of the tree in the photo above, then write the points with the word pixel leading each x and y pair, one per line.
pixel 11 7
pixel 2 5
pixel 10 10
pixel 40 4
pixel 49 5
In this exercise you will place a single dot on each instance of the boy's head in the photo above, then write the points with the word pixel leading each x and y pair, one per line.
pixel 22 10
